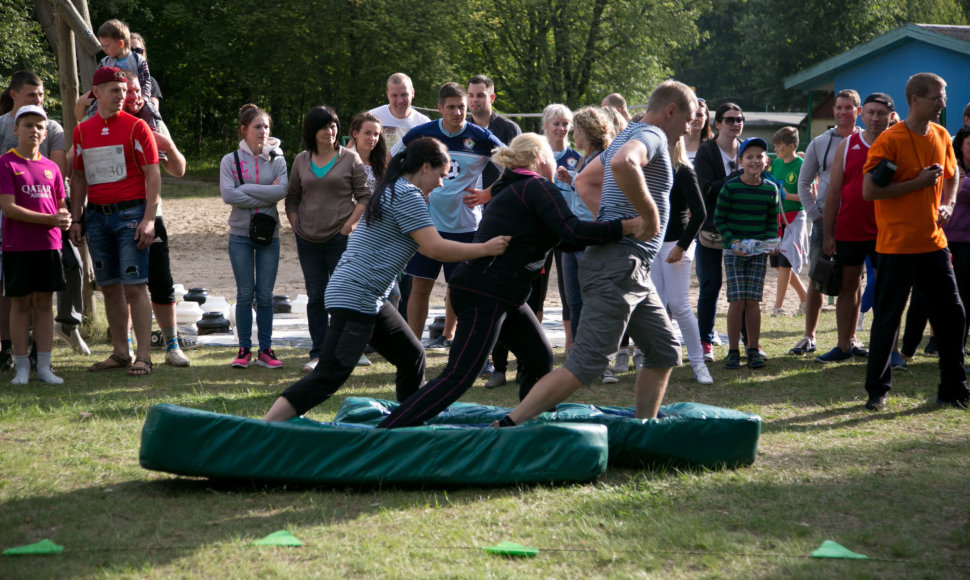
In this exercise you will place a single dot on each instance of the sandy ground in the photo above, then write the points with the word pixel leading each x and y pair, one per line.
pixel 197 229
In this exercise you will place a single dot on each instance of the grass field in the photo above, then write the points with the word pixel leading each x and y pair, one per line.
pixel 891 485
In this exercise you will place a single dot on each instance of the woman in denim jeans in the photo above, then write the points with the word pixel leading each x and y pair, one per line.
pixel 260 187
pixel 326 196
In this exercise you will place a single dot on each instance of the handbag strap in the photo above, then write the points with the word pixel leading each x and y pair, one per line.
pixel 240 175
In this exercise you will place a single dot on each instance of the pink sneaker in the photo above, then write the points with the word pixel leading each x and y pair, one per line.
pixel 267 358
pixel 243 358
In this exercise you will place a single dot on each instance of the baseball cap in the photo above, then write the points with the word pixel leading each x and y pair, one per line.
pixel 108 74
pixel 882 99
pixel 757 141
pixel 30 110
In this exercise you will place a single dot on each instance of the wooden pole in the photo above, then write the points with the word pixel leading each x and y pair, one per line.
pixel 79 26
pixel 87 63
pixel 67 72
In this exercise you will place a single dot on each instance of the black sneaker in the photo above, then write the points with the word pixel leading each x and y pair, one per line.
pixel 439 343
pixel 930 349
pixel 6 360
pixel 876 402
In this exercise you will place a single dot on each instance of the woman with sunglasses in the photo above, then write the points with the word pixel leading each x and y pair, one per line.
pixel 715 163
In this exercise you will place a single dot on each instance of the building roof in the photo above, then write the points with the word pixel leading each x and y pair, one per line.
pixel 954 38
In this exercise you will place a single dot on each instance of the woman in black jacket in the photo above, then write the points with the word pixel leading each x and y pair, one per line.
pixel 715 163
pixel 489 294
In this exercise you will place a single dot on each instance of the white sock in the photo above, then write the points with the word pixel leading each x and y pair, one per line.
pixel 44 371
pixel 23 370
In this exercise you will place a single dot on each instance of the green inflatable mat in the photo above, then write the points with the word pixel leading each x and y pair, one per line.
pixel 685 434
pixel 200 443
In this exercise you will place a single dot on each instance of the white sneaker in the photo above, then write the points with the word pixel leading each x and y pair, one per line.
pixel 701 373
pixel 717 339
pixel 72 338
pixel 176 358
pixel 622 362
pixel 310 365
pixel 609 378
pixel 637 359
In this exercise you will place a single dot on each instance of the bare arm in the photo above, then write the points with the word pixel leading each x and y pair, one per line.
pixel 145 232
pixel 948 199
pixel 8 204
pixel 432 245
pixel 926 177
pixel 833 199
pixel 627 166
pixel 589 184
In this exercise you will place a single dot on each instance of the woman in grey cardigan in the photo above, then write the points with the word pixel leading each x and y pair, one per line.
pixel 253 180
pixel 326 196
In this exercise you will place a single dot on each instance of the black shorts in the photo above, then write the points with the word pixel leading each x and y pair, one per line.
pixel 854 253
pixel 778 261
pixel 161 286
pixel 26 272
pixel 421 266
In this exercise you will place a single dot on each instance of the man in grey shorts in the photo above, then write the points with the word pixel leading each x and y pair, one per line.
pixel 636 177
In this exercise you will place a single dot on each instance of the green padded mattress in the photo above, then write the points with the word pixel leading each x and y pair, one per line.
pixel 200 443
pixel 685 434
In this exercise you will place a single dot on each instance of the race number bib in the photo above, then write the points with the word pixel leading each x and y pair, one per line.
pixel 105 164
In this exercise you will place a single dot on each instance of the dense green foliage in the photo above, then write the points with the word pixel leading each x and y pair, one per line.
pixel 289 55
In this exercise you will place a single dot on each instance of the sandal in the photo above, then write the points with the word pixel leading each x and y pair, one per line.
pixel 115 361
pixel 140 371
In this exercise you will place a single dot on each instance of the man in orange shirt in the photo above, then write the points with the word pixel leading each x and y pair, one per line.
pixel 911 176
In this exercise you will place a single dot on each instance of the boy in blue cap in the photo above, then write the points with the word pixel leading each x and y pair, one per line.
pixel 746 213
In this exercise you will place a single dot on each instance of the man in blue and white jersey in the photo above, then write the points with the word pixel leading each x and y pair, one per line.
pixel 636 176
pixel 470 148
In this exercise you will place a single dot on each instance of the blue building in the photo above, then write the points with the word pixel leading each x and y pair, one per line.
pixel 885 63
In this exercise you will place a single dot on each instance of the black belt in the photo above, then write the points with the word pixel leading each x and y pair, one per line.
pixel 110 208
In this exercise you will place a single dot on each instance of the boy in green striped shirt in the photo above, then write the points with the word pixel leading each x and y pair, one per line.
pixel 746 213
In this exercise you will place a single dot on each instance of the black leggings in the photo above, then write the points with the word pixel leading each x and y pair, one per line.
pixel 349 332
pixel 482 321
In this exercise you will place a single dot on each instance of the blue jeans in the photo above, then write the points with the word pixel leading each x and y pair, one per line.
pixel 574 296
pixel 318 261
pixel 254 267
pixel 114 251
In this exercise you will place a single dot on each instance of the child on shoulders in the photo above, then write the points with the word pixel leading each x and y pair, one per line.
pixel 34 213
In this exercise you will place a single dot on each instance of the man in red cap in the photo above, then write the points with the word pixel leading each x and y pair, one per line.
pixel 116 173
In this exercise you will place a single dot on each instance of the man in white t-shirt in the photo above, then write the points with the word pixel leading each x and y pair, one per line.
pixel 397 117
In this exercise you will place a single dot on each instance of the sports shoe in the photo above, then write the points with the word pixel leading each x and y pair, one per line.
pixel 72 338
pixel 858 349
pixel 755 359
pixel 622 362
pixel 708 351
pixel 310 365
pixel 489 369
pixel 801 308
pixel 176 358
pixel 243 358
pixel 439 343
pixel 778 312
pixel 803 347
pixel 495 381
pixel 876 402
pixel 732 360
pixel 834 355
pixel 267 358
pixel 637 359
pixel 897 362
pixel 701 374
pixel 363 361
pixel 717 339
pixel 609 378
pixel 930 349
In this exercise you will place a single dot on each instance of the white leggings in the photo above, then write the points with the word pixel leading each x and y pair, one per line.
pixel 673 286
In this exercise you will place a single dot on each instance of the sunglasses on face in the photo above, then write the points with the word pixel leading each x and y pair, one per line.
pixel 138 50
pixel 734 120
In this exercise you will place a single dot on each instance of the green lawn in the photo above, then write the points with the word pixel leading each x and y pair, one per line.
pixel 890 485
